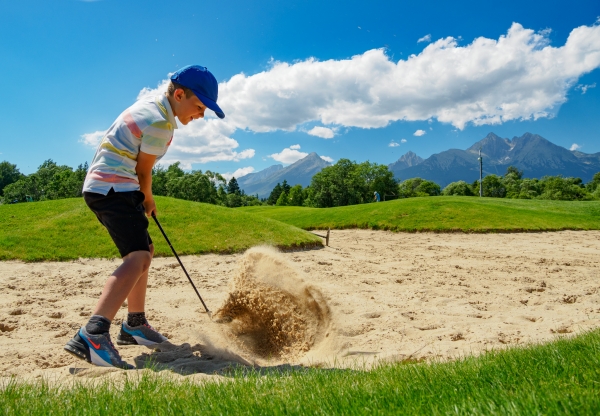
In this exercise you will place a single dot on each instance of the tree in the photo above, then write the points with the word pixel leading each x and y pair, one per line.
pixel 594 184
pixel 233 187
pixel 194 186
pixel 377 178
pixel 162 176
pixel 8 174
pixel 513 171
pixel 564 189
pixel 296 196
pixel 413 187
pixel 460 188
pixel 282 200
pixel 493 186
pixel 274 196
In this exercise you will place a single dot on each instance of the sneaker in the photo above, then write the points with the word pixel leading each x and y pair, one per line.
pixel 139 335
pixel 96 349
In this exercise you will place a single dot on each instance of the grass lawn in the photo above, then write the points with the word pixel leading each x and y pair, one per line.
pixel 66 229
pixel 558 378
pixel 468 214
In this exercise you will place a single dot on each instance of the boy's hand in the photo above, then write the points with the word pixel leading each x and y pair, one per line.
pixel 150 206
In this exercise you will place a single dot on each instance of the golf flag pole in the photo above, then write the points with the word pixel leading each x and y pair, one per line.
pixel 181 264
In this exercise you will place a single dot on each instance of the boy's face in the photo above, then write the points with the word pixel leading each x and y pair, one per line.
pixel 187 109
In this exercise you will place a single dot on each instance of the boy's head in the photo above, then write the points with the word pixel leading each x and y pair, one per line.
pixel 192 90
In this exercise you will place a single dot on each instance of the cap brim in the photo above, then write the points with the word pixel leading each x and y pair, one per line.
pixel 210 104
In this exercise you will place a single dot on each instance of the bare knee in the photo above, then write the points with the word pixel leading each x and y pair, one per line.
pixel 141 259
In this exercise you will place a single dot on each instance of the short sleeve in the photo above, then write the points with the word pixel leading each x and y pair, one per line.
pixel 155 138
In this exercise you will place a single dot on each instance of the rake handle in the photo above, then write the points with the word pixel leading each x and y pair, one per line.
pixel 180 263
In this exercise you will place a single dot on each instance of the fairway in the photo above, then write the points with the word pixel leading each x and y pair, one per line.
pixel 444 214
pixel 67 230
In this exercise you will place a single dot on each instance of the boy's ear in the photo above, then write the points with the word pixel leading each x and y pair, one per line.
pixel 178 94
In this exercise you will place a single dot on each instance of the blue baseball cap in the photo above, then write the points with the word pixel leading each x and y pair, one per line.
pixel 204 84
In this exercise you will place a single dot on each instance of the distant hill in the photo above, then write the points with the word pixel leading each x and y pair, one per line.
pixel 300 172
pixel 531 153
pixel 406 161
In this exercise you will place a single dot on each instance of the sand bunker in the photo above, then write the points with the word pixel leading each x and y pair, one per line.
pixel 271 312
pixel 380 296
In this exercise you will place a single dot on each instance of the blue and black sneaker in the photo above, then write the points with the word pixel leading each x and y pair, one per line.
pixel 139 335
pixel 96 349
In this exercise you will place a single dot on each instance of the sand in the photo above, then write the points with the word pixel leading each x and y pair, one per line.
pixel 370 296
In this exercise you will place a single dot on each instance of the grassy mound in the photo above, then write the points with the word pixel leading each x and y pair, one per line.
pixel 561 377
pixel 66 229
pixel 444 214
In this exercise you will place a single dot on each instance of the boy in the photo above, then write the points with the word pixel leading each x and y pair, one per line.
pixel 118 189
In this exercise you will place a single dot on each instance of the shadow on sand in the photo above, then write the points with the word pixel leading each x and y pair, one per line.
pixel 186 359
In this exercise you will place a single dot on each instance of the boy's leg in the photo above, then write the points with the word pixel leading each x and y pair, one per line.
pixel 119 285
pixel 136 330
pixel 136 301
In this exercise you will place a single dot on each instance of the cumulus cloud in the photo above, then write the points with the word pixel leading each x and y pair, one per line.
pixel 393 144
pixel 92 139
pixel 518 76
pixel 426 38
pixel 583 87
pixel 574 146
pixel 323 132
pixel 326 159
pixel 238 173
pixel 419 133
pixel 289 155
pixel 403 141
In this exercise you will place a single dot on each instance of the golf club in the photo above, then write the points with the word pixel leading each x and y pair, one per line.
pixel 181 264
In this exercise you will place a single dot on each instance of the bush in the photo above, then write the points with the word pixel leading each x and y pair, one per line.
pixel 414 187
pixel 460 188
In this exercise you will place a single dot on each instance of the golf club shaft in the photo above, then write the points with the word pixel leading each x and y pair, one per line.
pixel 180 263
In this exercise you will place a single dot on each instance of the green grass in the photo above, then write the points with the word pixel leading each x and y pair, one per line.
pixel 561 377
pixel 444 214
pixel 66 229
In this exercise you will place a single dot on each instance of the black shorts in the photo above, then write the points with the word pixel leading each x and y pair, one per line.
pixel 124 216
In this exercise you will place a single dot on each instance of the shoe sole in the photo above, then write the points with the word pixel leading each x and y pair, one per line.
pixel 78 350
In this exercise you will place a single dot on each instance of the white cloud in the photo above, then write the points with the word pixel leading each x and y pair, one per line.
pixel 323 132
pixel 393 144
pixel 518 76
pixel 238 173
pixel 295 147
pixel 403 141
pixel 289 155
pixel 426 38
pixel 575 146
pixel 583 87
pixel 326 159
pixel 92 139
pixel 419 133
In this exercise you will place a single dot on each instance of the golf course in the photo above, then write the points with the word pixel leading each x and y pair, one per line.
pixel 438 305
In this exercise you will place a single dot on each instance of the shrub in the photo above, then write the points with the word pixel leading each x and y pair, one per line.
pixel 460 188
pixel 413 187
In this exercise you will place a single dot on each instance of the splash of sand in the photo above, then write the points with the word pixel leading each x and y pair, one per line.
pixel 271 313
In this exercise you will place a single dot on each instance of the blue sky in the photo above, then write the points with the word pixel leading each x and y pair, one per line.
pixel 347 79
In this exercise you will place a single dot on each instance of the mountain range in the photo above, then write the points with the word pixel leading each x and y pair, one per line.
pixel 531 153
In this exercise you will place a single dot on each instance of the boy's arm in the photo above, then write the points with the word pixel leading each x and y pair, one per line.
pixel 145 163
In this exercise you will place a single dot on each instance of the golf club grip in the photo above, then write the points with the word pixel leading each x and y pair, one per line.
pixel 180 263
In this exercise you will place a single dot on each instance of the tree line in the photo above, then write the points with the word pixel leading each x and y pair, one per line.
pixel 349 183
pixel 52 181
pixel 344 183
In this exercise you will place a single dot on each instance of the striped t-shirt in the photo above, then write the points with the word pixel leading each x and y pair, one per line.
pixel 146 126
